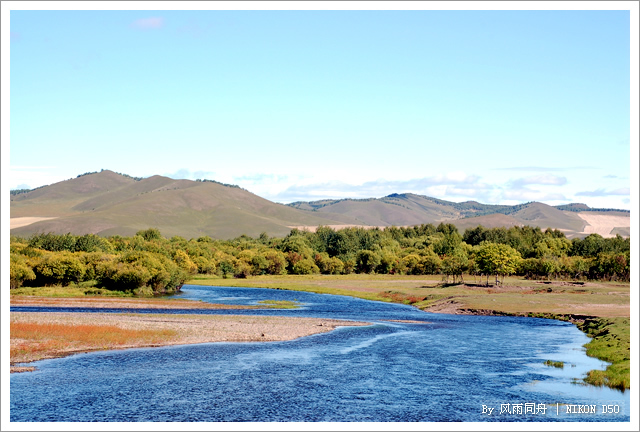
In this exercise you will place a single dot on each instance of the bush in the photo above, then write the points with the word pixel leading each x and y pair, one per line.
pixel 184 262
pixel 205 266
pixel 276 262
pixel 150 234
pixel 305 267
pixel 133 270
pixel 19 271
pixel 242 270
pixel 367 261
pixel 53 242
pixel 59 268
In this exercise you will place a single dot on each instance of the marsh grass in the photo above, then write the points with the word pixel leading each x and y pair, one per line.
pixel 281 304
pixel 555 364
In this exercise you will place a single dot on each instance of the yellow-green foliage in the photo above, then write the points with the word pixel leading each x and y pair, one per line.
pixel 60 268
pixel 19 271
pixel 149 260
pixel 496 258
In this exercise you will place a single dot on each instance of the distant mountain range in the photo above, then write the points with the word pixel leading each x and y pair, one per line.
pixel 108 203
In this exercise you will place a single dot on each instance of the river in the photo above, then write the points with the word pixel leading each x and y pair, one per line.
pixel 441 368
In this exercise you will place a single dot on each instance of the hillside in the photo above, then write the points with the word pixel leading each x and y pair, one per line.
pixel 107 203
pixel 575 220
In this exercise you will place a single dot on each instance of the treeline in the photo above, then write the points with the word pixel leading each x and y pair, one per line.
pixel 149 263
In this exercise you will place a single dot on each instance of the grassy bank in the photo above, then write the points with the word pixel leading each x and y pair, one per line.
pixel 611 342
pixel 600 309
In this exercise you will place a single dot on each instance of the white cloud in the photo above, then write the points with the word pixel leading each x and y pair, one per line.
pixel 148 23
pixel 544 179
pixel 604 193
pixel 184 173
pixel 456 184
pixel 524 194
pixel 543 169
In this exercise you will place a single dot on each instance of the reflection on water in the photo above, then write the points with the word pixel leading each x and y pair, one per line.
pixel 445 368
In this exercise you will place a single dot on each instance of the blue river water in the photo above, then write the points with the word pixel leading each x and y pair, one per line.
pixel 442 368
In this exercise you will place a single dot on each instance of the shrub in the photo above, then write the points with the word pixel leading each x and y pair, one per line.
pixel 59 268
pixel 305 267
pixel 133 270
pixel 150 234
pixel 19 271
pixel 205 266
pixel 276 262
pixel 367 261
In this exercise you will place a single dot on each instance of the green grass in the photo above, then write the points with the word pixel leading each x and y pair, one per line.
pixel 555 364
pixel 605 305
pixel 281 304
pixel 74 290
pixel 612 343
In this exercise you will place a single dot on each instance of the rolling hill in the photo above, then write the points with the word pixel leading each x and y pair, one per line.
pixel 108 203
pixel 412 209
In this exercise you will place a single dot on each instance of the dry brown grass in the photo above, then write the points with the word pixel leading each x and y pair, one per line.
pixel 33 340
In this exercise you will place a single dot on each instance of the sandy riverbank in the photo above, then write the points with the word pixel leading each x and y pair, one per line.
pixel 73 331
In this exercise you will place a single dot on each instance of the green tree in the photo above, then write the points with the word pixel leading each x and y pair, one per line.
pixel 496 259
pixel 205 265
pixel 276 262
pixel 430 263
pixel 448 243
pixel 150 234
pixel 412 264
pixel 474 236
pixel 226 268
pixel 92 243
pixel 259 264
pixel 367 261
pixel 388 262
pixel 455 264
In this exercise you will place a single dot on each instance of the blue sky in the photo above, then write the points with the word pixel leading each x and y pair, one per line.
pixel 495 106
